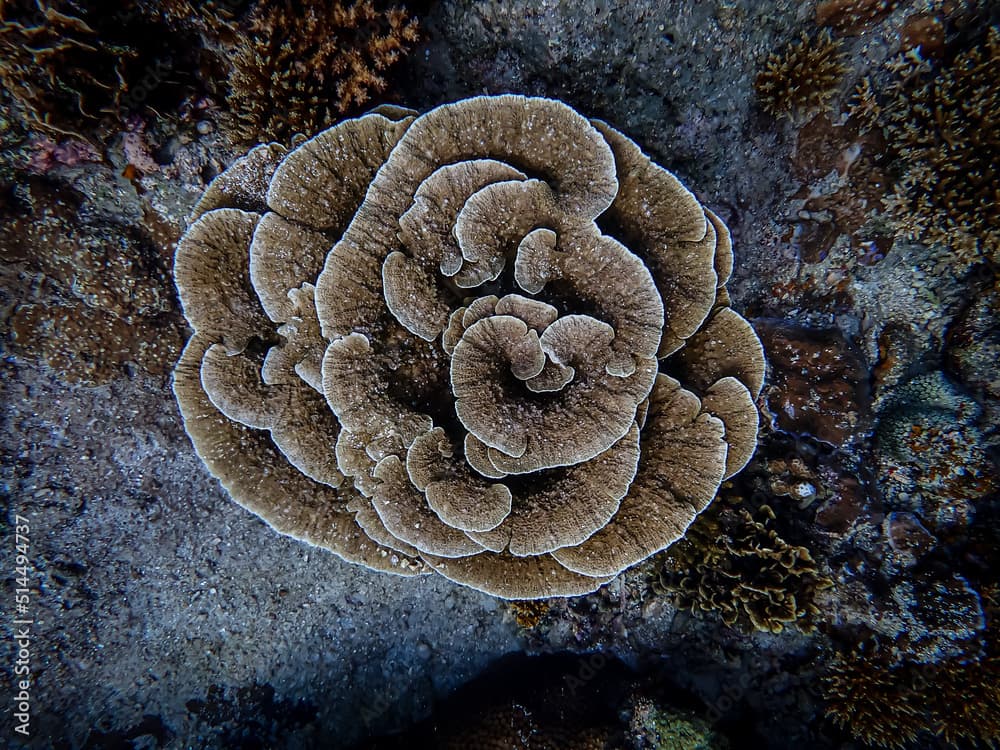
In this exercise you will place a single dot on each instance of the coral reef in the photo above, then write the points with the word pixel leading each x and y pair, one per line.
pixel 71 66
pixel 527 446
pixel 90 299
pixel 529 613
pixel 733 562
pixel 657 727
pixel 818 384
pixel 76 68
pixel 973 348
pixel 58 68
pixel 852 153
pixel 561 702
pixel 852 16
pixel 802 77
pixel 892 705
pixel 47 154
pixel 931 453
pixel 941 121
pixel 528 703
pixel 318 59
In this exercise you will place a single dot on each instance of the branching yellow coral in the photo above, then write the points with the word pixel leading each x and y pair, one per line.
pixel 942 121
pixel 892 705
pixel 732 562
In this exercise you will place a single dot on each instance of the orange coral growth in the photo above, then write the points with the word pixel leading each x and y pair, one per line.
pixel 298 68
pixel 529 613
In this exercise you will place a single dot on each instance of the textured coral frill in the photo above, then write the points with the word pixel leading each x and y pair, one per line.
pixel 732 562
pixel 492 341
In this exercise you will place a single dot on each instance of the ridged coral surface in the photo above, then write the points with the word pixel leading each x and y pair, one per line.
pixel 492 341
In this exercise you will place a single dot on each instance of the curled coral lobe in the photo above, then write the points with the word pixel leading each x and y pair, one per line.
pixel 494 337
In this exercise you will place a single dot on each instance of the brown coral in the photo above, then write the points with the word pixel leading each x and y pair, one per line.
pixel 802 77
pixel 819 383
pixel 301 65
pixel 852 16
pixel 89 299
pixel 529 613
pixel 57 66
pixel 71 66
pixel 893 705
pixel 733 562
pixel 942 122
pixel 517 399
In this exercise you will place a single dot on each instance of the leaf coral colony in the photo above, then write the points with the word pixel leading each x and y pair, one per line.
pixel 491 341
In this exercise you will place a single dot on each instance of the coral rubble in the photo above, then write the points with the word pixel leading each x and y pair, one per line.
pixel 520 345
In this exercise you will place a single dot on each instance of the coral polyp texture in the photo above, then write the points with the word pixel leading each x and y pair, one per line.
pixel 942 122
pixel 802 77
pixel 491 341
pixel 319 58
